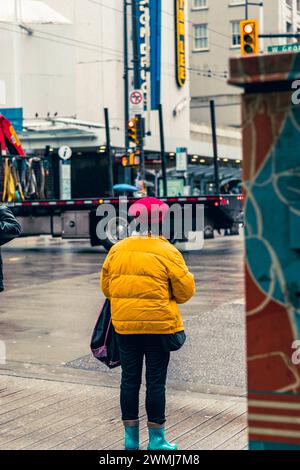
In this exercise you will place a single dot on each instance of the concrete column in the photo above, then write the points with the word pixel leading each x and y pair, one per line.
pixel 271 149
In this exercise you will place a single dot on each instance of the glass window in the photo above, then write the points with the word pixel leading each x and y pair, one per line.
pixel 200 36
pixel 198 4
pixel 235 33
pixel 289 29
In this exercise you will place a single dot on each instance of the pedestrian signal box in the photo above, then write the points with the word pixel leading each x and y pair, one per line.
pixel 130 160
pixel 249 37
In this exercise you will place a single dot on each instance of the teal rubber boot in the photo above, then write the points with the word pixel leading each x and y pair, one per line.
pixel 157 438
pixel 132 438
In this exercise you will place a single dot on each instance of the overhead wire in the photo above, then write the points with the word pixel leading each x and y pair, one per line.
pixel 109 53
pixel 96 2
pixel 97 46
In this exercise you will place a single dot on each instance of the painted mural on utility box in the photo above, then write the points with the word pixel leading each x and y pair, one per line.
pixel 271 149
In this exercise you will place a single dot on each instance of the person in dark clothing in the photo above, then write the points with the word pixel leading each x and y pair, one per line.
pixel 133 348
pixel 9 229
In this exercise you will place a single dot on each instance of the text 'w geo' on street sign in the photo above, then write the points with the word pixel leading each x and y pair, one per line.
pixel 284 48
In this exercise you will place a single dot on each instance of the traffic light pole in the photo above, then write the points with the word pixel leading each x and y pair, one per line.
pixel 126 94
pixel 135 60
pixel 140 145
pixel 137 86
pixel 108 152
pixel 215 145
pixel 162 150
pixel 247 4
pixel 127 172
pixel 283 35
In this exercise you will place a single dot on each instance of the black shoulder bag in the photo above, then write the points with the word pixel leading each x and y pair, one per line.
pixel 173 341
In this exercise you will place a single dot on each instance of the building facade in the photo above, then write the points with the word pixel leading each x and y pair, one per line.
pixel 214 30
pixel 72 65
pixel 62 65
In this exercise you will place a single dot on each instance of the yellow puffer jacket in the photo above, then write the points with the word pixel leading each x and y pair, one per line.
pixel 145 277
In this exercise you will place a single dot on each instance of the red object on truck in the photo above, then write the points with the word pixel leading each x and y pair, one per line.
pixel 9 140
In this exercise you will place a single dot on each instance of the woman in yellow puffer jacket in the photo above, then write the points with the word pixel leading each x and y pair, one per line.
pixel 145 277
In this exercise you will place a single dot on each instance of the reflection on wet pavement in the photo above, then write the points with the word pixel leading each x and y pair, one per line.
pixel 52 299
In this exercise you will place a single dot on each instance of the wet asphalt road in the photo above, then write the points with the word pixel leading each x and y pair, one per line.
pixel 52 297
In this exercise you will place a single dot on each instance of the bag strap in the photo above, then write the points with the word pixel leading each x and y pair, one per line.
pixel 107 331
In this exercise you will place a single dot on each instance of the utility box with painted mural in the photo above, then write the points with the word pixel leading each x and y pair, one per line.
pixel 271 149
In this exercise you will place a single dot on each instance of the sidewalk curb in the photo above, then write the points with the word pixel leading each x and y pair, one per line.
pixel 106 379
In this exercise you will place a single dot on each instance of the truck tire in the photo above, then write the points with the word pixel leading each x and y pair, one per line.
pixel 208 231
pixel 115 230
pixel 235 229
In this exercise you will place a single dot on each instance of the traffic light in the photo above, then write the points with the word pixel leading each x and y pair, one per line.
pixel 124 161
pixel 249 37
pixel 131 159
pixel 134 159
pixel 132 130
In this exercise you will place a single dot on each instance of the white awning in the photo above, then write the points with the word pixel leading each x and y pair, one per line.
pixel 30 12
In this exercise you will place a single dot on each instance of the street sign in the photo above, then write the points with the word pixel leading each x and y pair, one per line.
pixel 284 48
pixel 181 159
pixel 175 187
pixel 65 180
pixel 65 152
pixel 136 101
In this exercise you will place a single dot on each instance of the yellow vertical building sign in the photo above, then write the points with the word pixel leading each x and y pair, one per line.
pixel 180 42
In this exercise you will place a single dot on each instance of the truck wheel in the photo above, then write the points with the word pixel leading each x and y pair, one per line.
pixel 208 232
pixel 235 229
pixel 115 230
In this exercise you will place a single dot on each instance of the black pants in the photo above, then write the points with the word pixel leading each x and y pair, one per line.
pixel 133 348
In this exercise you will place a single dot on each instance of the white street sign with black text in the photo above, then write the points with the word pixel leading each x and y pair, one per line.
pixel 136 102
